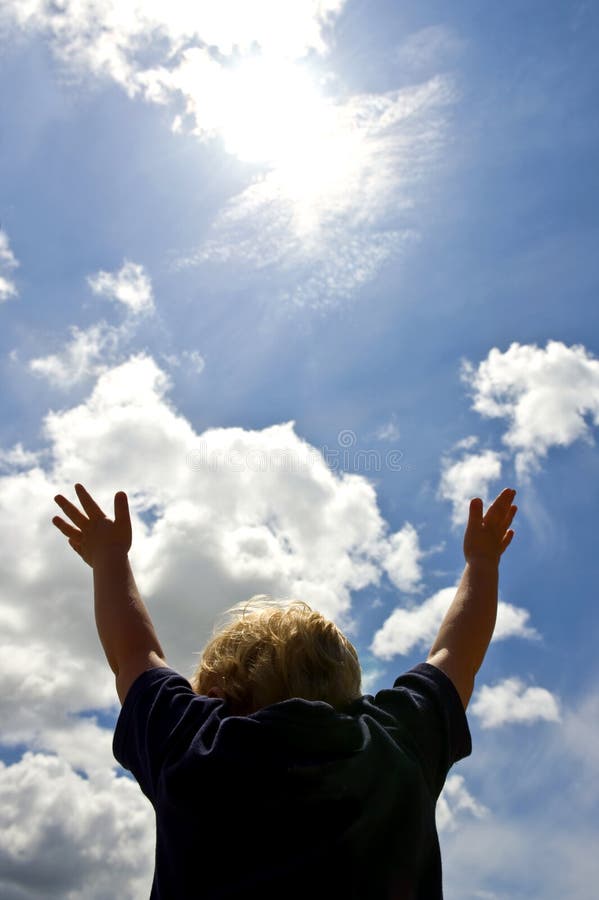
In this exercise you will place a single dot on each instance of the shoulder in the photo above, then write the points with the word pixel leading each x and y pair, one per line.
pixel 430 686
pixel 160 712
pixel 461 676
pixel 430 717
pixel 135 666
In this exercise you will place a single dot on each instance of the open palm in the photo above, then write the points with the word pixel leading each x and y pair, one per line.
pixel 488 536
pixel 92 530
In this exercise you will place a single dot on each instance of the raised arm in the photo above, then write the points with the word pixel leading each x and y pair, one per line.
pixel 466 630
pixel 124 625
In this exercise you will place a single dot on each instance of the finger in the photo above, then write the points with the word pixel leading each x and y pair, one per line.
pixel 66 529
pixel 71 511
pixel 121 508
pixel 476 510
pixel 503 499
pixel 76 546
pixel 499 506
pixel 88 503
pixel 507 539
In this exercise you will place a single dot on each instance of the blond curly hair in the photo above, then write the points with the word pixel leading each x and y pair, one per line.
pixel 271 650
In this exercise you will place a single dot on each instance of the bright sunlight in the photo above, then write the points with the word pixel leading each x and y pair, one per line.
pixel 271 111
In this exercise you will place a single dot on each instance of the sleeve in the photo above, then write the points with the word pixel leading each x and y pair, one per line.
pixel 159 717
pixel 431 720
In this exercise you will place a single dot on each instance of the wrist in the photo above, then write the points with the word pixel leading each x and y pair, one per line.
pixel 483 562
pixel 108 553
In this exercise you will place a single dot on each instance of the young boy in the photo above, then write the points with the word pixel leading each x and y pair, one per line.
pixel 271 776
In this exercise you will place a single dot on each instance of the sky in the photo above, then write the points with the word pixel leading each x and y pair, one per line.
pixel 301 278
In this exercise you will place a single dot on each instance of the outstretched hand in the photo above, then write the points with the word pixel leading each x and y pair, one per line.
pixel 488 536
pixel 94 531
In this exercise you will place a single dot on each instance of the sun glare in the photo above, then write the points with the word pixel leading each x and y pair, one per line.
pixel 271 111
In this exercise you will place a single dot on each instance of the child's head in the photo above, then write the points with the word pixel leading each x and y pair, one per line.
pixel 272 650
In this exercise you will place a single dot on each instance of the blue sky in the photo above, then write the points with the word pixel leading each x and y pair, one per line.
pixel 360 237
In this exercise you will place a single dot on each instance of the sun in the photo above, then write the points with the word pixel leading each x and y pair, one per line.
pixel 272 110
pixel 311 149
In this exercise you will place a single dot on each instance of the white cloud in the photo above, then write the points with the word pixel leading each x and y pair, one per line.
pixel 579 736
pixel 512 701
pixel 402 559
pixel 234 517
pixel 466 443
pixel 490 858
pixel 455 801
pixel 416 627
pixel 512 621
pixel 18 458
pixel 91 351
pixel 546 396
pixel 195 360
pixel 348 160
pixel 535 783
pixel 131 286
pixel 109 36
pixel 338 268
pixel 8 262
pixel 428 48
pixel 371 676
pixel 62 835
pixel 88 353
pixel 317 221
pixel 192 359
pixel 388 431
pixel 241 512
pixel 40 695
pixel 469 477
pixel 7 289
pixel 332 166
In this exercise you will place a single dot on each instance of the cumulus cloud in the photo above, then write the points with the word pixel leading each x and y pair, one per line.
pixel 217 516
pixel 103 846
pixel 546 395
pixel 536 784
pixel 406 629
pixel 131 286
pixel 512 701
pixel 8 262
pixel 110 36
pixel 90 351
pixel 238 512
pixel 45 684
pixel 455 802
pixel 233 512
pixel 402 559
pixel 17 457
pixel 468 477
